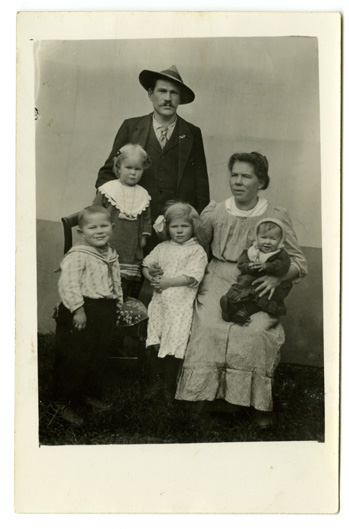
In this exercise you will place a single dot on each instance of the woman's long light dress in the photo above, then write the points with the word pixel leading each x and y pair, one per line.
pixel 225 360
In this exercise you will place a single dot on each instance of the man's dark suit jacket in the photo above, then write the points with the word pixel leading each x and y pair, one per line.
pixel 178 172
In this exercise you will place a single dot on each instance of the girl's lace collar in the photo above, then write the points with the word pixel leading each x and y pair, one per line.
pixel 131 201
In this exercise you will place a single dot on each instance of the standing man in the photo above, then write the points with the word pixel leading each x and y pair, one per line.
pixel 178 170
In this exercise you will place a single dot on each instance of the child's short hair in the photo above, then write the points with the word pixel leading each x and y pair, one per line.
pixel 175 209
pixel 127 150
pixel 90 210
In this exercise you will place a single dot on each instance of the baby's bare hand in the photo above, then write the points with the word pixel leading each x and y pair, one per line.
pixel 255 266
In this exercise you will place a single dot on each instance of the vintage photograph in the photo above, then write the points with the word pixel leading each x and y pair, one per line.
pixel 177 263
pixel 205 157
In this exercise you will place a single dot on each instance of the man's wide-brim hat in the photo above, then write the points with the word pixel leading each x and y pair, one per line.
pixel 147 78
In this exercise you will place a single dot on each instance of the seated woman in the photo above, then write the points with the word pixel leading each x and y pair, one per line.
pixel 224 360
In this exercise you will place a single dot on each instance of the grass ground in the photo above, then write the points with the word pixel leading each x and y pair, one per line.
pixel 298 413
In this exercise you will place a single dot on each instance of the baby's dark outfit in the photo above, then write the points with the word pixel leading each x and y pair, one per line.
pixel 243 294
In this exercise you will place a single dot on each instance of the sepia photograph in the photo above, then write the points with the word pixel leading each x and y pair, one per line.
pixel 179 244
pixel 249 363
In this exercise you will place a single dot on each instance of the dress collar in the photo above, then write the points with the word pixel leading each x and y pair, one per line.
pixel 190 242
pixel 131 201
pixel 255 255
pixel 259 208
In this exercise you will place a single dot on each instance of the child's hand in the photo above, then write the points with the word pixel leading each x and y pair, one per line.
pixel 143 241
pixel 80 319
pixel 155 270
pixel 155 283
pixel 256 266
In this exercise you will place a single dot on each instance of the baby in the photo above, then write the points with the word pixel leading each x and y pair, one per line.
pixel 265 257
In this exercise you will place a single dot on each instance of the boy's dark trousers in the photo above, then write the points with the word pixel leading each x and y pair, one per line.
pixel 81 356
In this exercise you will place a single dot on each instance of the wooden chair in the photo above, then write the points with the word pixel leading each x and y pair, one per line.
pixel 136 332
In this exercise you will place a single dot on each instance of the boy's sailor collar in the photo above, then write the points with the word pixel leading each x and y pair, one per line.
pixel 110 257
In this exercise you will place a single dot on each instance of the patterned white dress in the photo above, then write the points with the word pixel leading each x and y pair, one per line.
pixel 170 312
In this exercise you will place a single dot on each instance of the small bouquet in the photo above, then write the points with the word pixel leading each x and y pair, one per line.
pixel 131 313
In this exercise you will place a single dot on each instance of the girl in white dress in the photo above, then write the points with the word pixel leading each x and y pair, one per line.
pixel 181 261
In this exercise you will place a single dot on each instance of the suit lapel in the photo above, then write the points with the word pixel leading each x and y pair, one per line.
pixel 141 132
pixel 185 140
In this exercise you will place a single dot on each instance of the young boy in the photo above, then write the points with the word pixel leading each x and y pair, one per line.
pixel 91 295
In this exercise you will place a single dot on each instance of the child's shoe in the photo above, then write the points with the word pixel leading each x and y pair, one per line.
pixel 154 388
pixel 241 317
pixel 155 374
pixel 227 312
pixel 68 414
pixel 171 364
pixel 263 420
pixel 97 405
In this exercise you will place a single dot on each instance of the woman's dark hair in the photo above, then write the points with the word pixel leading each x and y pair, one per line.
pixel 258 161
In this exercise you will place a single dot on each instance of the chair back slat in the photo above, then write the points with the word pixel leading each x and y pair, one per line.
pixel 69 223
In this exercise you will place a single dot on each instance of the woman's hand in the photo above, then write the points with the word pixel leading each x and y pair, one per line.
pixel 267 284
pixel 79 319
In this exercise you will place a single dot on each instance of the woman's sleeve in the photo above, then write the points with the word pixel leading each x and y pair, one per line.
pixel 69 284
pixel 291 243
pixel 147 227
pixel 207 218
pixel 196 265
